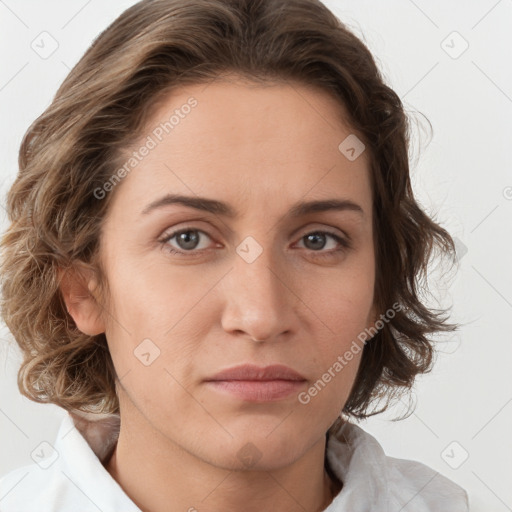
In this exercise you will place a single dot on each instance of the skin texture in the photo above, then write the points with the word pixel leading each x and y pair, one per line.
pixel 260 149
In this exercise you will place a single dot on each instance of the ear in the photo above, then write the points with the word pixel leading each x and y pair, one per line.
pixel 77 289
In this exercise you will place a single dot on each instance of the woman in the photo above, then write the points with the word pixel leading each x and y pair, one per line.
pixel 213 264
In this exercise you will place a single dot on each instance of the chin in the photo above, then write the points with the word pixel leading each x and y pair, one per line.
pixel 258 448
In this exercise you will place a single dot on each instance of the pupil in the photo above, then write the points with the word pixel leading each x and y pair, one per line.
pixel 318 240
pixel 188 241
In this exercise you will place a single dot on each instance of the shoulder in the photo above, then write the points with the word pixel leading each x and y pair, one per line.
pixel 34 487
pixel 425 488
pixel 360 462
pixel 69 476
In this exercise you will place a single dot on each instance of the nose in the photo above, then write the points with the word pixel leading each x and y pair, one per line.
pixel 259 302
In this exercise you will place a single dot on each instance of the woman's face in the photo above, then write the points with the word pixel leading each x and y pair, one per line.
pixel 250 282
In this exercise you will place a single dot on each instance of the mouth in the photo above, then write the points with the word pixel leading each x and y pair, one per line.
pixel 258 384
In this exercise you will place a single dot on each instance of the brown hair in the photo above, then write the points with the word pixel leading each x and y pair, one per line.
pixel 102 107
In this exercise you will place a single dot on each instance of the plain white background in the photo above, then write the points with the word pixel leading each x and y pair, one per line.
pixel 449 61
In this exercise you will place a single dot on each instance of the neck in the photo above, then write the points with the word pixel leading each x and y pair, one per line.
pixel 160 476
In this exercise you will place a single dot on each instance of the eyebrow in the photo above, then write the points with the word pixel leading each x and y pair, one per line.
pixel 225 210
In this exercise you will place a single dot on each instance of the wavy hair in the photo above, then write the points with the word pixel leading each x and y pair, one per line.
pixel 102 107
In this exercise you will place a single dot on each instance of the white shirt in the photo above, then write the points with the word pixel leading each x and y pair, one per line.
pixel 70 476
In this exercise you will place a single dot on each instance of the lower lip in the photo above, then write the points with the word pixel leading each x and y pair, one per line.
pixel 258 390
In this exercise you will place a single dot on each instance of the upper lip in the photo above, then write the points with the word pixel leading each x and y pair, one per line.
pixel 253 372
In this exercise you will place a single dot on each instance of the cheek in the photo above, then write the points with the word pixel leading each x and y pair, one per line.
pixel 343 300
pixel 151 298
pixel 157 321
pixel 343 307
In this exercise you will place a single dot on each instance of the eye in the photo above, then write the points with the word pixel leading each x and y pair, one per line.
pixel 190 240
pixel 187 240
pixel 318 240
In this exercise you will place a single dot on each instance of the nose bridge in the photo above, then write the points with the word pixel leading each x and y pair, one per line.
pixel 257 301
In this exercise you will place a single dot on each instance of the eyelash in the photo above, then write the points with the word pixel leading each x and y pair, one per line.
pixel 344 243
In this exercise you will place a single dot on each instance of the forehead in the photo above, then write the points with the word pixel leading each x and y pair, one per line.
pixel 247 143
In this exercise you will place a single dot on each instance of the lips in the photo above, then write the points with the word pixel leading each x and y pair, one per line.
pixel 251 383
pixel 249 372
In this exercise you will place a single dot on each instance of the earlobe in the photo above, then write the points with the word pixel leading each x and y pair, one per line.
pixel 81 304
